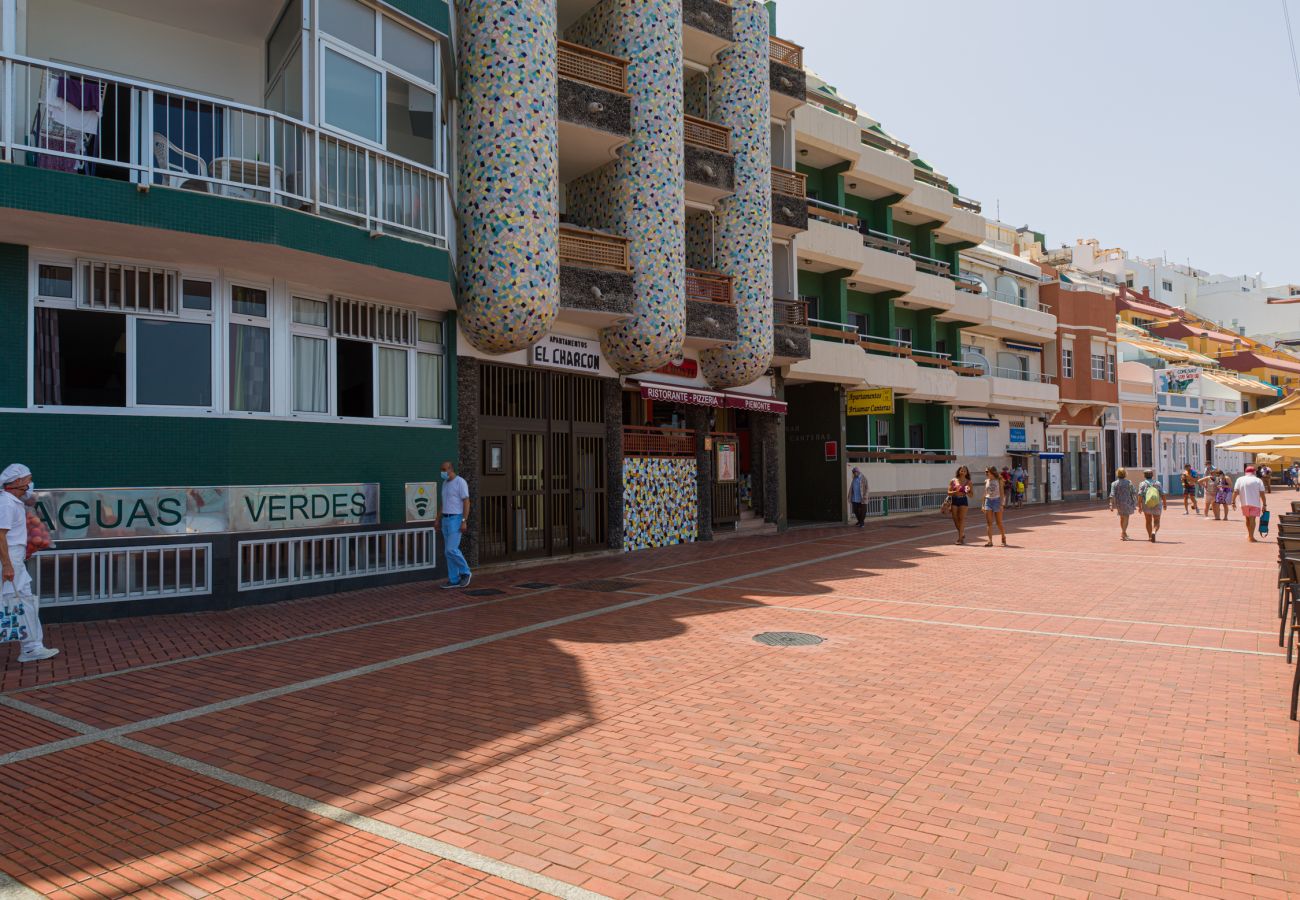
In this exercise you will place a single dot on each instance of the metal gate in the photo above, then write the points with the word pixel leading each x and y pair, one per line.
pixel 544 481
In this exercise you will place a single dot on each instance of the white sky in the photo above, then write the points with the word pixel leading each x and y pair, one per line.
pixel 1156 125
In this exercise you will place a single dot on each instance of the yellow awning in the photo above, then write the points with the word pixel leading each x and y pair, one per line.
pixel 1282 417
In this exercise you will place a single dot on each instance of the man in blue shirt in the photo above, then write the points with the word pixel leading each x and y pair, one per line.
pixel 453 517
pixel 858 496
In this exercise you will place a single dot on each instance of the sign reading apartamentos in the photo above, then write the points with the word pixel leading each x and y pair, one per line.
pixel 873 402
pixel 145 512
pixel 558 351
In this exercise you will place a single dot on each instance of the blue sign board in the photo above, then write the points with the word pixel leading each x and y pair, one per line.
pixel 1018 438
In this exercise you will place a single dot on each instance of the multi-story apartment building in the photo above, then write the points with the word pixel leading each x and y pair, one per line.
pixel 1082 357
pixel 225 289
pixel 619 381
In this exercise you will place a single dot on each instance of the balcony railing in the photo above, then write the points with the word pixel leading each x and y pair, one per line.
pixel 156 136
pixel 967 283
pixel 885 346
pixel 592 67
pixel 880 142
pixel 593 249
pixel 710 287
pixel 1044 308
pixel 835 215
pixel 649 441
pixel 932 266
pixel 835 331
pixel 706 134
pixel 1021 375
pixel 790 312
pixel 933 179
pixel 932 358
pixel 833 104
pixel 878 240
pixel 883 453
pixel 791 184
pixel 787 53
pixel 967 204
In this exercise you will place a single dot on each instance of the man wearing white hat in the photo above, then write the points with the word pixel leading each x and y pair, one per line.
pixel 19 607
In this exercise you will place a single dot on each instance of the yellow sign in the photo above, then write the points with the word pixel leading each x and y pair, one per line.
pixel 874 402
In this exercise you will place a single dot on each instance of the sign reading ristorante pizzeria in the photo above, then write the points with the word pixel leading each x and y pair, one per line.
pixel 558 351
pixel 145 512
pixel 663 393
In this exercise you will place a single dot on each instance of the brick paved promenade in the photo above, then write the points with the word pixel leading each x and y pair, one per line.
pixel 1070 716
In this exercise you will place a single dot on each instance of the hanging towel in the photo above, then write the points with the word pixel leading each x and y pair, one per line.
pixel 82 93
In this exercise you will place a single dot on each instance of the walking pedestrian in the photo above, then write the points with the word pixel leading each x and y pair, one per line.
pixel 1295 476
pixel 1019 484
pixel 1189 489
pixel 1250 489
pixel 1222 494
pixel 1123 500
pixel 959 496
pixel 1265 475
pixel 20 608
pixel 453 517
pixel 1153 502
pixel 858 496
pixel 995 492
pixel 1208 483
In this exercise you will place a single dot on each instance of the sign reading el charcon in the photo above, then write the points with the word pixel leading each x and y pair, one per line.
pixel 144 512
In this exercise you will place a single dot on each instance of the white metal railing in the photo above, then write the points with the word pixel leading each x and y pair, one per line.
pixel 826 323
pixel 54 116
pixel 933 354
pixel 892 342
pixel 271 562
pixel 1004 297
pixel 933 266
pixel 1020 375
pixel 1044 308
pixel 71 577
pixel 907 455
pixel 887 242
pixel 835 215
pixel 967 283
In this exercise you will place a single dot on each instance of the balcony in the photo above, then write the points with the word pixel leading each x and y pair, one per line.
pixel 836 240
pixel 673 443
pixel 595 111
pixel 710 309
pixel 881 167
pixel 791 338
pixel 1011 317
pixel 926 203
pixel 708 28
pixel 789 84
pixel 789 203
pixel 875 453
pixel 710 166
pixel 965 226
pixel 595 276
pixel 261 155
pixel 1018 389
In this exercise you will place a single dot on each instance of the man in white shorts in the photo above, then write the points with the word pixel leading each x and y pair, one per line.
pixel 1254 499
pixel 20 617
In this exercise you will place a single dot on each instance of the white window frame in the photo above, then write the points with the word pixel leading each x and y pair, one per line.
pixel 1098 365
pixel 316 332
pixel 267 322
pixel 1067 362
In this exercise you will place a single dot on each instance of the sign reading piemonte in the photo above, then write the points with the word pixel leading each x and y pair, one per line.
pixel 871 402
pixel 146 512
pixel 571 354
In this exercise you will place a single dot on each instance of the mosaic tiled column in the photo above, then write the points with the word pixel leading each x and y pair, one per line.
pixel 740 99
pixel 642 195
pixel 508 186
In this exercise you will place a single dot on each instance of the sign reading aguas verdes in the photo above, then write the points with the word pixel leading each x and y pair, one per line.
pixel 144 512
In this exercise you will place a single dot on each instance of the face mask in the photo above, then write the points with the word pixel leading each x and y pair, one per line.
pixel 31 492
pixel 445 475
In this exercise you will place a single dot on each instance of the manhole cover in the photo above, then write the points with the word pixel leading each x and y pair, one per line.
pixel 607 585
pixel 535 585
pixel 485 592
pixel 787 639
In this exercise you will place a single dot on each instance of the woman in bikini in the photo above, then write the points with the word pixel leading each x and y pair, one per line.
pixel 959 496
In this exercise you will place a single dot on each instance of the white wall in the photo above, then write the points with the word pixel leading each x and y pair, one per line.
pixel 81 34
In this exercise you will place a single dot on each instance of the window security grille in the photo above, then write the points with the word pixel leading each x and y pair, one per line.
pixel 365 321
pixel 116 287
pixel 104 575
pixel 272 562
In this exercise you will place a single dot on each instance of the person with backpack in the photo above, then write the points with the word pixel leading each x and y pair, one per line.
pixel 1123 500
pixel 1152 501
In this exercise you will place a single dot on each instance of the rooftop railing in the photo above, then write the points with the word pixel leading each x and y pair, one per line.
pixel 789 183
pixel 593 249
pixel 787 53
pixel 157 136
pixel 709 287
pixel 706 134
pixel 592 67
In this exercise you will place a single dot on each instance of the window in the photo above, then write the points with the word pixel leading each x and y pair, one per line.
pixel 250 350
pixel 310 356
pixel 1128 449
pixel 349 21
pixel 353 95
pixel 1098 367
pixel 54 281
pixel 975 440
pixel 1229 405
pixel 861 323
pixel 1210 406
pixel 903 335
pixel 1053 443
pixel 1167 286
pixel 1067 362
pixel 431 366
pixel 1110 367
pixel 196 295
pixel 1146 451
pixel 126 288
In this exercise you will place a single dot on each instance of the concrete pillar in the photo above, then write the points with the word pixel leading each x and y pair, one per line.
pixel 698 417
pixel 740 99
pixel 507 196
pixel 612 399
pixel 470 464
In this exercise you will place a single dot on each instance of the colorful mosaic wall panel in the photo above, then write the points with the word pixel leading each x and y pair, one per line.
pixel 508 187
pixel 699 240
pixel 660 502
pixel 642 195
pixel 743 222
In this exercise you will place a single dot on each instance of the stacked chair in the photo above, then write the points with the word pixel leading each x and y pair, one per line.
pixel 1288 587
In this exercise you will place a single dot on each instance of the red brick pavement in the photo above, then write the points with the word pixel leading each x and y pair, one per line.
pixel 1069 716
